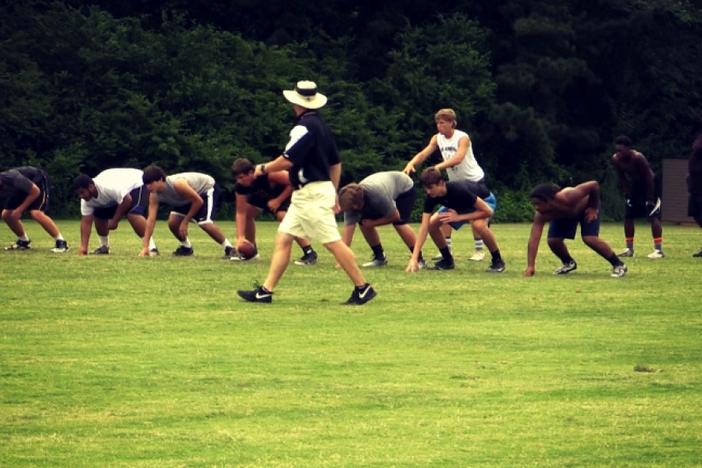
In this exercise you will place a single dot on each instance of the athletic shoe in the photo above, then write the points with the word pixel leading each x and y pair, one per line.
pixel 61 246
pixel 698 254
pixel 19 245
pixel 496 267
pixel 444 264
pixel 656 254
pixel 619 271
pixel 626 253
pixel 376 262
pixel 154 252
pixel 422 264
pixel 102 250
pixel 183 251
pixel 229 252
pixel 238 258
pixel 360 298
pixel 256 295
pixel 307 259
pixel 477 256
pixel 566 268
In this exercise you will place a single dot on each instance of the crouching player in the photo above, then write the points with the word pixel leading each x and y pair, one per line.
pixel 565 208
pixel 463 206
pixel 268 192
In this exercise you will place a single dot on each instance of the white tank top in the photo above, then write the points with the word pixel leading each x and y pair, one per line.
pixel 468 169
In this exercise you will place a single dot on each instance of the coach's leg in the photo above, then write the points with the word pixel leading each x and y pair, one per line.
pixel 345 257
pixel 279 260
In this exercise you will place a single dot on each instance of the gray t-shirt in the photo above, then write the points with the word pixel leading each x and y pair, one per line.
pixel 201 183
pixel 380 190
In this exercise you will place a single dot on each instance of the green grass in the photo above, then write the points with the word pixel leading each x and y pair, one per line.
pixel 132 361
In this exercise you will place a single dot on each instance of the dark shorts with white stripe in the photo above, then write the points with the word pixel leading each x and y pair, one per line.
pixel 40 203
pixel 206 213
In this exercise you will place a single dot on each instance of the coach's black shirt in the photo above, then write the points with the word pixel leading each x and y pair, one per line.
pixel 312 150
pixel 460 196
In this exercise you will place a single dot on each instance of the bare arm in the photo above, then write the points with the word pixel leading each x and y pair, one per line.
pixel 381 221
pixel 281 163
pixel 86 224
pixel 420 157
pixel 120 211
pixel 537 229
pixel 482 211
pixel 413 264
pixel 150 224
pixel 280 178
pixel 31 196
pixel 183 188
pixel 347 235
pixel 242 219
pixel 458 156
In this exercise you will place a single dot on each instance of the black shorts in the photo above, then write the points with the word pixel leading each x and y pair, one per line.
pixel 140 205
pixel 694 208
pixel 565 228
pixel 635 203
pixel 40 203
pixel 262 203
pixel 405 205
pixel 206 213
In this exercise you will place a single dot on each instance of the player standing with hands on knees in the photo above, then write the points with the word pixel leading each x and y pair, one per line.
pixel 564 209
pixel 638 183
pixel 313 163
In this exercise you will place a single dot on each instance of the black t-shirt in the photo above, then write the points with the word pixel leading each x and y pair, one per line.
pixel 260 191
pixel 311 149
pixel 460 196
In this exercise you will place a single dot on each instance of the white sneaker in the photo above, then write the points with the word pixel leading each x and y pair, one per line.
pixel 656 254
pixel 477 256
pixel 626 253
pixel 239 258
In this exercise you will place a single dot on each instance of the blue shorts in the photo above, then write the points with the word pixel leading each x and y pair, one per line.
pixel 565 228
pixel 491 200
pixel 140 205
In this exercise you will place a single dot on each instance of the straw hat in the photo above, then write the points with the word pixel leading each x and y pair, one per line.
pixel 305 95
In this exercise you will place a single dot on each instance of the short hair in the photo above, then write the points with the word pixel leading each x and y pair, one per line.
pixel 446 114
pixel 545 192
pixel 153 173
pixel 242 166
pixel 351 197
pixel 623 140
pixel 430 176
pixel 82 182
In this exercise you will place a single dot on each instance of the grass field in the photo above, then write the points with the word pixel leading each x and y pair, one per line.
pixel 128 361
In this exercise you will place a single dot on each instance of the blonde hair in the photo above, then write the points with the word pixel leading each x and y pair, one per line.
pixel 447 114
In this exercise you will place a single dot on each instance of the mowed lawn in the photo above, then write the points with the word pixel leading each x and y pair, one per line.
pixel 125 361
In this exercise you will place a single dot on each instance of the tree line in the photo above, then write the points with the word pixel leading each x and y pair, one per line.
pixel 542 87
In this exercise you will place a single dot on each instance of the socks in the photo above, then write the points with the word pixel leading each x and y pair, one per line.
pixel 307 250
pixel 186 243
pixel 226 243
pixel 479 244
pixel 496 257
pixel 658 243
pixel 378 251
pixel 614 260
pixel 152 244
pixel 104 240
pixel 629 243
pixel 24 237
pixel 446 253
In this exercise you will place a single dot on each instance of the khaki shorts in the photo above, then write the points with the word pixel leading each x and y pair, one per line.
pixel 311 213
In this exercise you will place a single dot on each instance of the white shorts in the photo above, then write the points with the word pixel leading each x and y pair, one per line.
pixel 311 213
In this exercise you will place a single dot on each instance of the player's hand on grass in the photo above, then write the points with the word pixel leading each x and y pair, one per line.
pixel 144 252
pixel 412 266
pixel 530 271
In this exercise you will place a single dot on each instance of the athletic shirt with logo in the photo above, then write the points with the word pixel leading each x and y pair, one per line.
pixel 468 169
pixel 112 185
pixel 201 183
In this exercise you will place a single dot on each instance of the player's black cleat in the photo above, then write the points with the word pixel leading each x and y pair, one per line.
pixel 19 245
pixel 444 264
pixel 61 246
pixel 496 267
pixel 360 297
pixel 307 259
pixel 256 295
pixel 183 251
pixel 698 254
pixel 566 268
pixel 102 250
